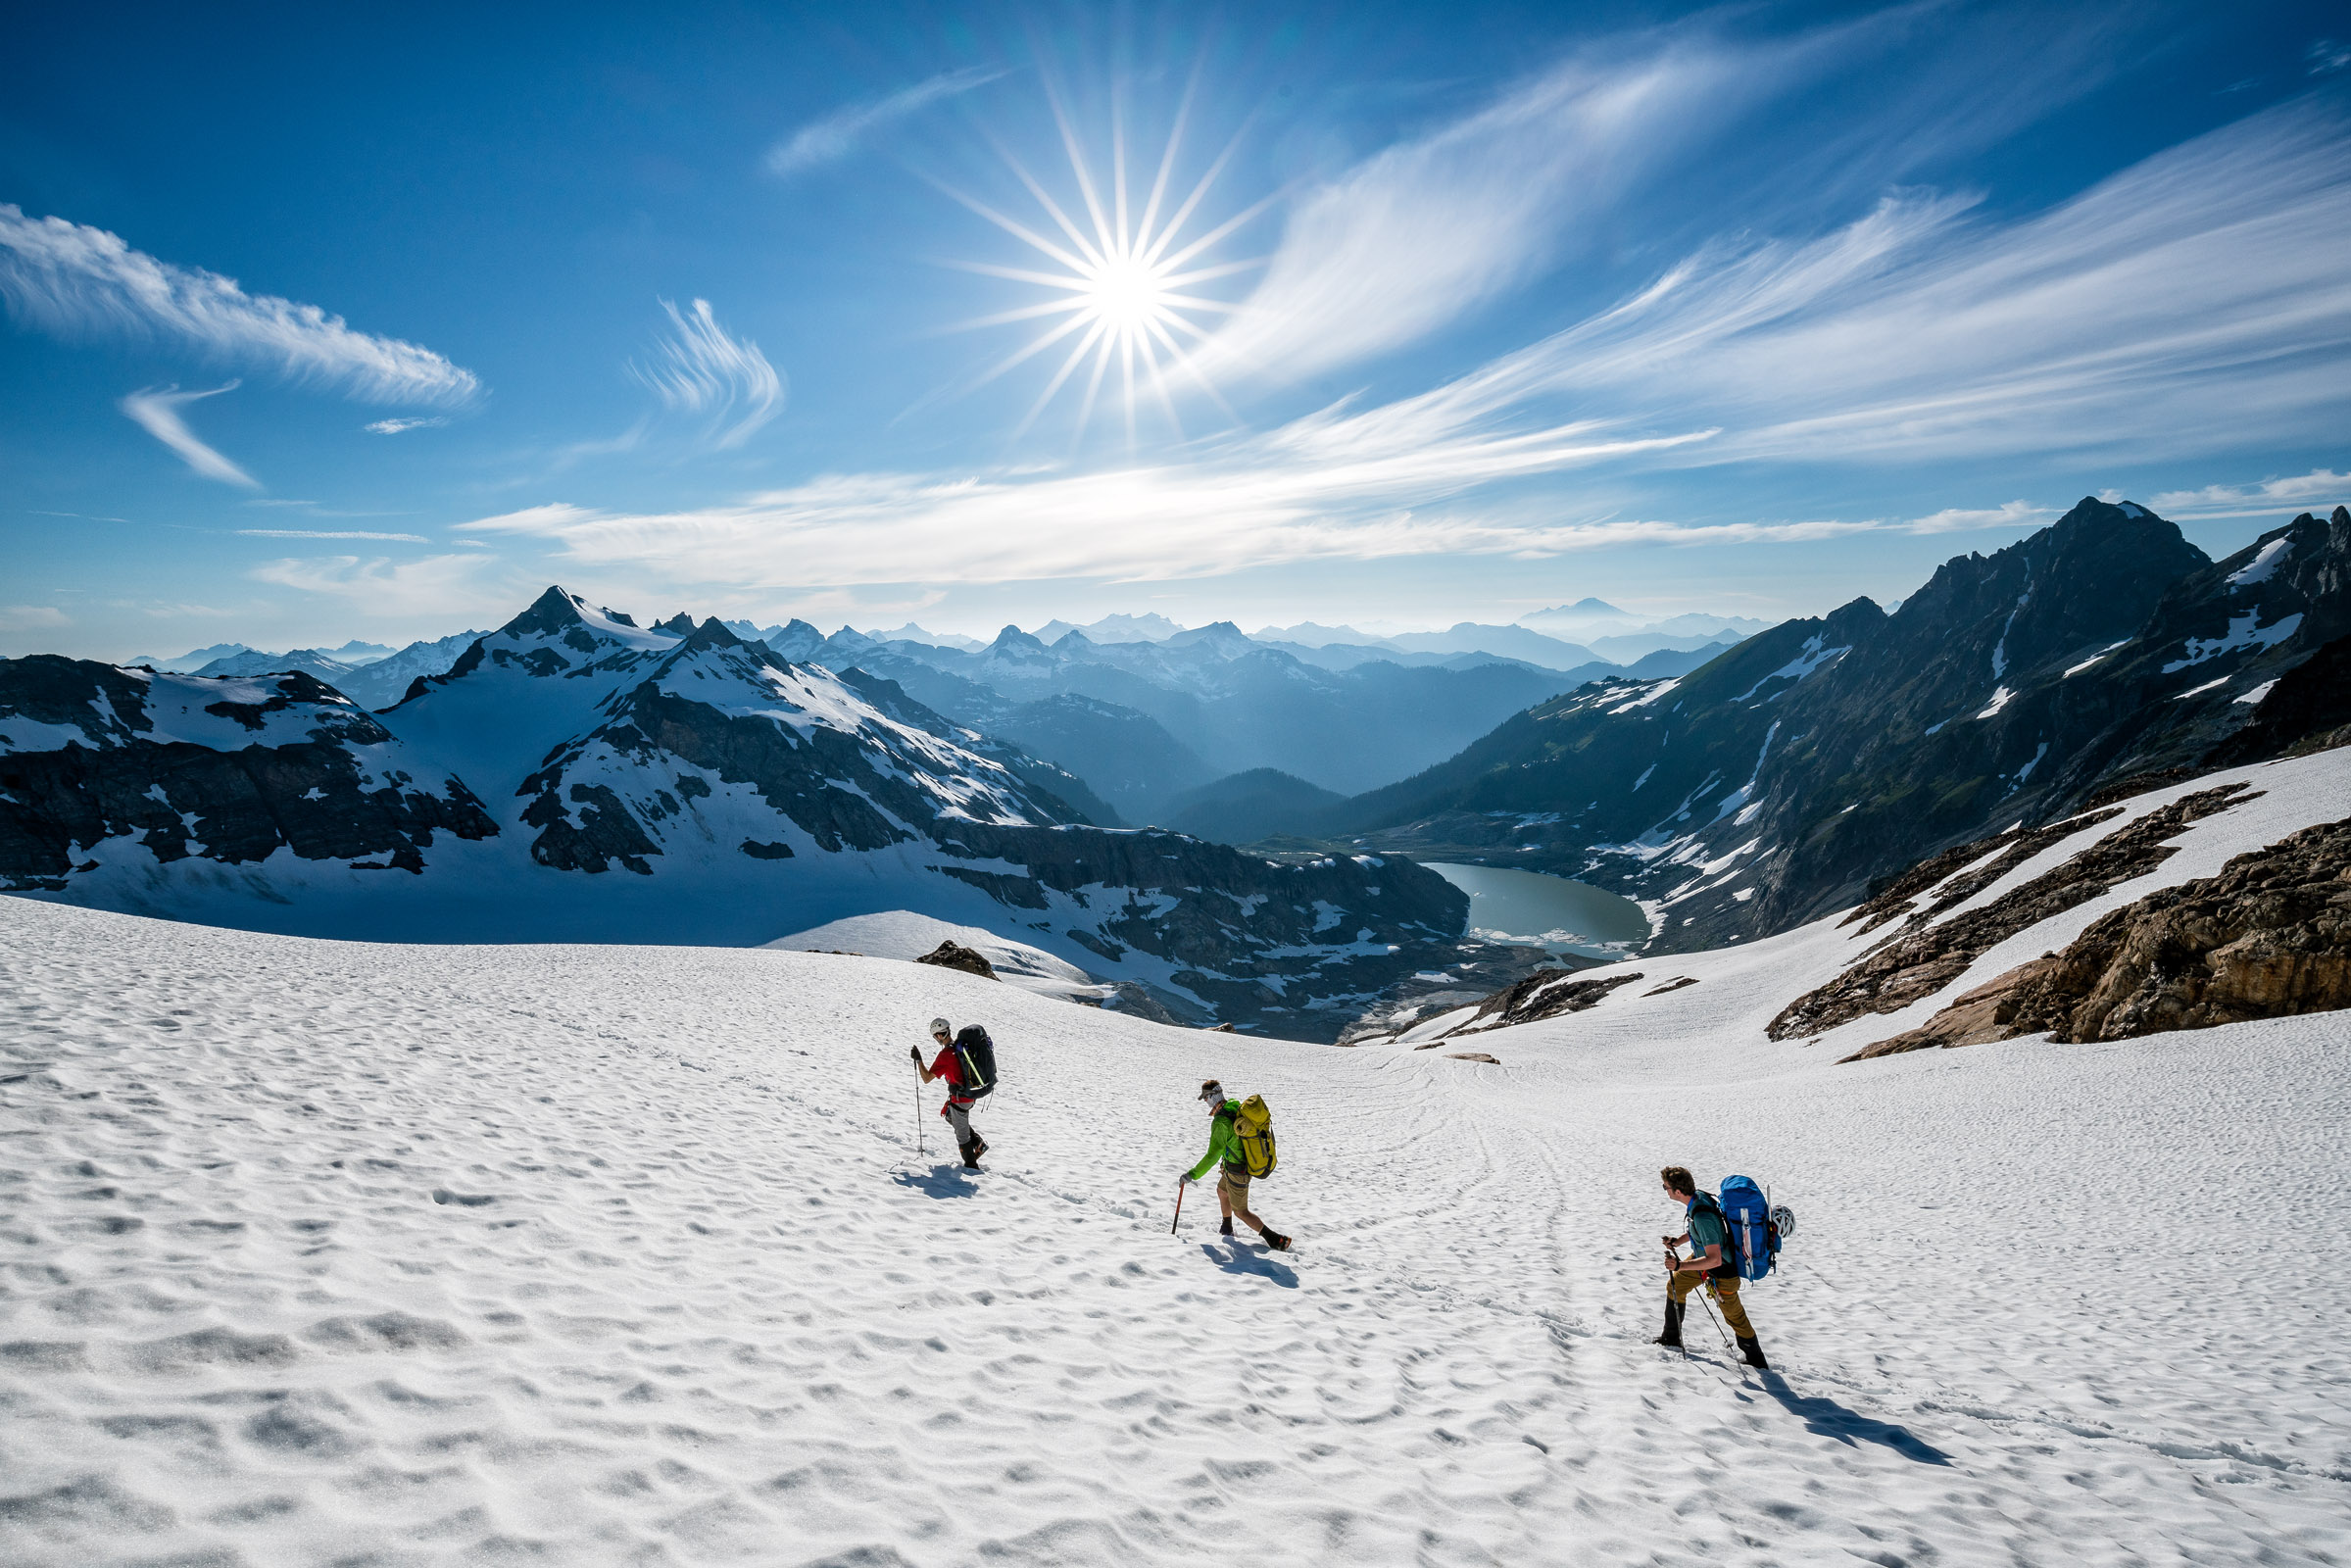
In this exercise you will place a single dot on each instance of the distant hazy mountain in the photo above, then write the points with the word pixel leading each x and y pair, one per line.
pixel 1110 630
pixel 1620 636
pixel 311 662
pixel 189 662
pixel 1227 700
pixel 1245 808
pixel 387 681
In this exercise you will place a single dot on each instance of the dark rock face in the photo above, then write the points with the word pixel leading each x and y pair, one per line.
pixel 1296 949
pixel 1922 958
pixel 2267 938
pixel 1545 993
pixel 2308 710
pixel 286 763
pixel 955 956
pixel 1804 767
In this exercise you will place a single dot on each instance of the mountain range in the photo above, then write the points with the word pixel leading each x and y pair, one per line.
pixel 574 776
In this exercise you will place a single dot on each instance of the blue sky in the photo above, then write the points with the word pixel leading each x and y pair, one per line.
pixel 373 327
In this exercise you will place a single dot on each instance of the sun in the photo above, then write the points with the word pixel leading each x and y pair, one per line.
pixel 1119 267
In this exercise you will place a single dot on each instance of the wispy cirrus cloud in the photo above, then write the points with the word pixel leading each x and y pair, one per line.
pixel 836 135
pixel 1612 145
pixel 2192 302
pixel 380 586
pixel 330 533
pixel 156 411
pixel 397 426
pixel 1426 230
pixel 33 617
pixel 701 369
pixel 2318 488
pixel 71 279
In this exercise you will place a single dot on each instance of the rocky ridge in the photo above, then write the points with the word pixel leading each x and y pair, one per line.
pixel 2268 937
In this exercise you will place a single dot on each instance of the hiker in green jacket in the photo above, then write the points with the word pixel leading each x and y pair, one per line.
pixel 1232 1182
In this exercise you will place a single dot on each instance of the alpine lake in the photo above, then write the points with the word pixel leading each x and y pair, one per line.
pixel 1534 909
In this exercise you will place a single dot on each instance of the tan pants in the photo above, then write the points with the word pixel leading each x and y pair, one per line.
pixel 1232 1196
pixel 1726 1292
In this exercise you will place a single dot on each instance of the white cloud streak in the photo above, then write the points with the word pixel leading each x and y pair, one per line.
pixel 32 617
pixel 2194 302
pixel 2321 489
pixel 321 534
pixel 444 585
pixel 71 279
pixel 703 370
pixel 396 427
pixel 1415 237
pixel 156 410
pixel 836 135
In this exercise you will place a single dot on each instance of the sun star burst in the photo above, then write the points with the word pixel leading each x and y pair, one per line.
pixel 1120 277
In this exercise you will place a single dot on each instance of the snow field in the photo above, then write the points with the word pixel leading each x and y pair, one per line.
pixel 326 1253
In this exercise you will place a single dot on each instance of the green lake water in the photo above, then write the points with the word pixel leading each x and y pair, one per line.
pixel 1549 912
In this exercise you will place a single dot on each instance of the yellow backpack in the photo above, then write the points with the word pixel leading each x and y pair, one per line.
pixel 1252 1125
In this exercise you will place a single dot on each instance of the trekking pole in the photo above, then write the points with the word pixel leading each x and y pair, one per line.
pixel 1674 1253
pixel 1179 1213
pixel 918 1153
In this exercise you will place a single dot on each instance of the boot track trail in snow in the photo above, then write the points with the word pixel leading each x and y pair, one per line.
pixel 323 1253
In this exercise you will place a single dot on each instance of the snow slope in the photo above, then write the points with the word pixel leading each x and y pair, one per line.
pixel 906 935
pixel 422 1255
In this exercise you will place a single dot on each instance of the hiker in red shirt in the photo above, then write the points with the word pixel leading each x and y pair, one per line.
pixel 958 1109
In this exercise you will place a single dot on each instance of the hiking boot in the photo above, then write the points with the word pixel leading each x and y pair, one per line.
pixel 971 1154
pixel 1752 1350
pixel 1276 1240
pixel 979 1147
pixel 1673 1326
pixel 1226 1229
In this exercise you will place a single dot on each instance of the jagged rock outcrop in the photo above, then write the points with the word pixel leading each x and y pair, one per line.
pixel 1928 954
pixel 1545 993
pixel 955 956
pixel 2268 937
pixel 105 770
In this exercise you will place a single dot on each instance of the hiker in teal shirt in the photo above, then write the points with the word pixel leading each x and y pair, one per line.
pixel 1710 1264
pixel 1232 1181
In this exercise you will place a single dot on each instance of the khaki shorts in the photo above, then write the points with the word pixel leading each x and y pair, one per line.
pixel 1233 1183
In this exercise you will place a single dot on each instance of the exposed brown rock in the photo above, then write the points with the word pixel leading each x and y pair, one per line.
pixel 1919 962
pixel 1545 993
pixel 955 956
pixel 1672 985
pixel 2268 937
pixel 2000 853
pixel 1472 1056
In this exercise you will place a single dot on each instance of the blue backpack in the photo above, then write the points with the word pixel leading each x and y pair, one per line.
pixel 1746 1215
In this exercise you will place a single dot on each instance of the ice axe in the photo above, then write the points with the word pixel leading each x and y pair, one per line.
pixel 1179 1213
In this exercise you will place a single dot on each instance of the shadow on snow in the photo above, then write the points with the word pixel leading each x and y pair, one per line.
pixel 1829 1419
pixel 1236 1258
pixel 940 1181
